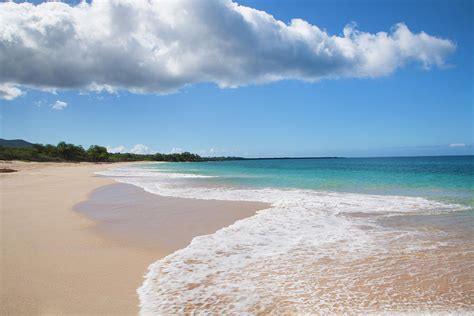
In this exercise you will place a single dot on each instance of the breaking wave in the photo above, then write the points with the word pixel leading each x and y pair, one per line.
pixel 310 252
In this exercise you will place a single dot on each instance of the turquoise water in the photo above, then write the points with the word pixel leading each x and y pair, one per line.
pixel 337 236
pixel 449 179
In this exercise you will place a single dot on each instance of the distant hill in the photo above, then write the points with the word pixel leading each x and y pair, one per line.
pixel 15 143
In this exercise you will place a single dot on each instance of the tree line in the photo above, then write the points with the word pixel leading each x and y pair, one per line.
pixel 74 153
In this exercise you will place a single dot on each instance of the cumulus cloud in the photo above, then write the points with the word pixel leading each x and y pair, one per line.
pixel 159 46
pixel 136 149
pixel 59 105
pixel 140 149
pixel 118 149
pixel 457 145
pixel 9 91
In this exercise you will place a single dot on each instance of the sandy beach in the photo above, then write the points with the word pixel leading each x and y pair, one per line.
pixel 60 256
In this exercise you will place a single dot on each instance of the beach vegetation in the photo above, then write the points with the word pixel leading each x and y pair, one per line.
pixel 69 152
pixel 97 153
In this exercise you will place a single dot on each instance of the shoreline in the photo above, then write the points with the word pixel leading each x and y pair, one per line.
pixel 56 260
pixel 132 216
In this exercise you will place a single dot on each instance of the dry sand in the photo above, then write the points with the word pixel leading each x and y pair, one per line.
pixel 58 261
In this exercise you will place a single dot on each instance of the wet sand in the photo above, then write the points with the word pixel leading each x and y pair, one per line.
pixel 55 260
pixel 132 216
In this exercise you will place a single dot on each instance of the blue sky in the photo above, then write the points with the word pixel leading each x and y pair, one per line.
pixel 411 111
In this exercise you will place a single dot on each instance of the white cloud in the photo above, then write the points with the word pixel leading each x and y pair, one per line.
pixel 59 105
pixel 9 91
pixel 159 46
pixel 457 145
pixel 140 149
pixel 136 149
pixel 118 149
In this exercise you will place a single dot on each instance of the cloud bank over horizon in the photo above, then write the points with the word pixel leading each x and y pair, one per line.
pixel 160 46
pixel 136 149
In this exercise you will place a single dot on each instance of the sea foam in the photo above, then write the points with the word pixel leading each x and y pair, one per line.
pixel 276 261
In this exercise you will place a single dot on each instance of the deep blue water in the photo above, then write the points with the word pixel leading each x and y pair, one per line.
pixel 449 179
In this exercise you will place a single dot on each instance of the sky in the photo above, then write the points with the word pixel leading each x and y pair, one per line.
pixel 291 78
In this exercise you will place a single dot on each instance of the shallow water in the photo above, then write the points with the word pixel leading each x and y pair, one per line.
pixel 342 235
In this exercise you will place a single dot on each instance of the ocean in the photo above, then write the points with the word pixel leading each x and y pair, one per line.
pixel 346 235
